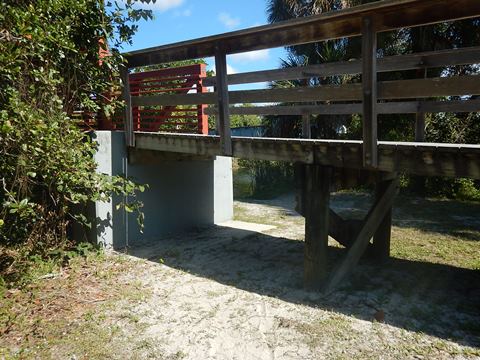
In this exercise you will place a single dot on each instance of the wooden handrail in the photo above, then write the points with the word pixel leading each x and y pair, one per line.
pixel 387 15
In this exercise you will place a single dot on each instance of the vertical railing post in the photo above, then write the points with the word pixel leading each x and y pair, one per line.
pixel 369 81
pixel 420 120
pixel 127 97
pixel 202 117
pixel 136 89
pixel 223 101
pixel 306 124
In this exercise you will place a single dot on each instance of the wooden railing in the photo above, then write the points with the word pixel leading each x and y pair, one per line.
pixel 369 98
pixel 171 118
pixel 155 117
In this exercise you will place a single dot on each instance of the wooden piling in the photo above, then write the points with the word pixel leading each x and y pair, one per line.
pixel 381 239
pixel 317 196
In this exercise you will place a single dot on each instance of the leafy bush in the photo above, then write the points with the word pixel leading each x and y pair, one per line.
pixel 50 67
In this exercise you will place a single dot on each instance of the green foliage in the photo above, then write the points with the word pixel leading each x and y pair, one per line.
pixel 238 120
pixel 461 189
pixel 268 178
pixel 50 67
pixel 245 120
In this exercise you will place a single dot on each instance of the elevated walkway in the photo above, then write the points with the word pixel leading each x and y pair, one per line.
pixel 318 162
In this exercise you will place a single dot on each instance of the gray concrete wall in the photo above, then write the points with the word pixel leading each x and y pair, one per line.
pixel 181 195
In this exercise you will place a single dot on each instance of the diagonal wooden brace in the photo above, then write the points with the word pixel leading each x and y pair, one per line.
pixel 372 222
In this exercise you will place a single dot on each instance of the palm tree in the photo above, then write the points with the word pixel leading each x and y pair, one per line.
pixel 440 127
pixel 308 54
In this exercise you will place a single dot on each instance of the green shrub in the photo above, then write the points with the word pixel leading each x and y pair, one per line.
pixel 50 67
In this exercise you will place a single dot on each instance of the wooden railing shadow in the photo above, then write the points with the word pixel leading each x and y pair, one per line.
pixel 440 300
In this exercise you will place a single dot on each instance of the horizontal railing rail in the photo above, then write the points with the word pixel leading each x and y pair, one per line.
pixel 419 61
pixel 359 95
pixel 397 107
pixel 387 90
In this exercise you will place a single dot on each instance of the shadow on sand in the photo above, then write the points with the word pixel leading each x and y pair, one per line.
pixel 440 300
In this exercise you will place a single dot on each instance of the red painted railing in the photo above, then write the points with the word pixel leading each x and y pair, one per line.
pixel 181 119
pixel 179 80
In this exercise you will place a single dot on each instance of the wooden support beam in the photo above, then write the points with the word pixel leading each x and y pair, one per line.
pixel 223 102
pixel 369 84
pixel 317 196
pixel 372 222
pixel 299 186
pixel 344 231
pixel 127 98
pixel 151 157
pixel 426 159
pixel 381 239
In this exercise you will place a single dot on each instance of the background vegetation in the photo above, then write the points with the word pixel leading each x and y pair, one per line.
pixel 447 128
pixel 51 68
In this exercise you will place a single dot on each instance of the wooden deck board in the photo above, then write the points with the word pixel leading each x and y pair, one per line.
pixel 426 159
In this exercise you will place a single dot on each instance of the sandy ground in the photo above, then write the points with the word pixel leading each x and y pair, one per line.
pixel 235 292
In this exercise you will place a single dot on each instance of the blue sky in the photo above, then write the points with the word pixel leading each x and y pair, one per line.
pixel 179 20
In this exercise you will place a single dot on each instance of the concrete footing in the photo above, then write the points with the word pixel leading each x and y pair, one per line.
pixel 182 194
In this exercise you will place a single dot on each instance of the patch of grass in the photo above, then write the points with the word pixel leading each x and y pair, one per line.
pixel 241 213
pixel 67 315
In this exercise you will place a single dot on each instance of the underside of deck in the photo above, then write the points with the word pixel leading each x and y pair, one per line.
pixel 426 159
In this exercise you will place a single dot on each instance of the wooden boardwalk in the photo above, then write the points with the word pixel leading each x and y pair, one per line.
pixel 318 162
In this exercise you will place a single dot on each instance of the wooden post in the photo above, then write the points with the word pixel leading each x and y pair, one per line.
pixel 223 102
pixel 381 239
pixel 317 197
pixel 306 124
pixel 418 183
pixel 369 80
pixel 420 127
pixel 201 116
pixel 306 127
pixel 420 121
pixel 127 97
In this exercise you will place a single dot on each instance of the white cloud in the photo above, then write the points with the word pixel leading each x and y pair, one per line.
pixel 231 70
pixel 251 56
pixel 185 13
pixel 227 20
pixel 160 5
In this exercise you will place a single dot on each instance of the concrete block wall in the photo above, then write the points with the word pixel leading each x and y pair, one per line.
pixel 182 194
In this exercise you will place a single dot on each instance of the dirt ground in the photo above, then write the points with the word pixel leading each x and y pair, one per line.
pixel 235 291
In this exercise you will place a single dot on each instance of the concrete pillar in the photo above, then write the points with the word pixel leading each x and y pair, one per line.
pixel 181 195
